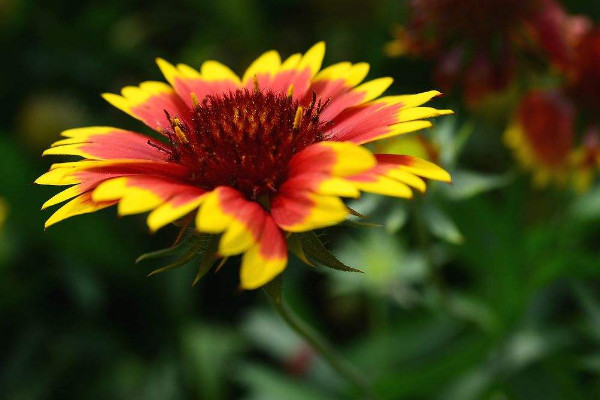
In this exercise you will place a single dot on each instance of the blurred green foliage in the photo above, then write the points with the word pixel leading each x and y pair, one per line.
pixel 484 289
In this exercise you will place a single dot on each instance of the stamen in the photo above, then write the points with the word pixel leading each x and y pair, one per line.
pixel 159 148
pixel 313 101
pixel 195 99
pixel 298 118
pixel 325 104
pixel 181 135
pixel 167 114
pixel 290 91
pixel 243 138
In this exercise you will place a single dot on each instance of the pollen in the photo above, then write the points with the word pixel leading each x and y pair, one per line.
pixel 298 118
pixel 245 139
pixel 194 99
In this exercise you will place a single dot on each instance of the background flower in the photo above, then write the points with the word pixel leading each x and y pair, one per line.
pixel 545 134
pixel 479 46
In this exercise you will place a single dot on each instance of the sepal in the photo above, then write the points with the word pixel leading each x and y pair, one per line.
pixel 295 247
pixel 207 258
pixel 314 250
pixel 199 245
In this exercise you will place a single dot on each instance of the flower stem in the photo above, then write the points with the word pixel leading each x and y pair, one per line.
pixel 321 346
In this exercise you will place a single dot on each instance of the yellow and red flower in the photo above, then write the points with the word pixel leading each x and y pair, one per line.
pixel 254 157
pixel 542 135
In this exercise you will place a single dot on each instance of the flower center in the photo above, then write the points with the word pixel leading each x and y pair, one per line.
pixel 245 139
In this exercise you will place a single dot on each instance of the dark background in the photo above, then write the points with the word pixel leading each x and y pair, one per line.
pixel 512 310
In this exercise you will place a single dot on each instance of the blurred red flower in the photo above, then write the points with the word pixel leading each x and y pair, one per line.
pixel 477 45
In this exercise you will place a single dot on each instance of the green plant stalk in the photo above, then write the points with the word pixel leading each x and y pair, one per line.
pixel 321 346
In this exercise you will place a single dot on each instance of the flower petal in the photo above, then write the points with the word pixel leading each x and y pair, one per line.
pixel 266 259
pixel 138 194
pixel 309 199
pixel 335 84
pixel 246 228
pixel 380 184
pixel 340 77
pixel 332 158
pixel 268 64
pixel 103 142
pixel 383 118
pixel 65 195
pixel 215 71
pixel 212 79
pixel 413 165
pixel 226 211
pixel 352 96
pixel 324 184
pixel 71 173
pixel 296 210
pixel 313 58
pixel 87 175
pixel 293 76
pixel 82 204
pixel 176 207
pixel 148 103
pixel 412 100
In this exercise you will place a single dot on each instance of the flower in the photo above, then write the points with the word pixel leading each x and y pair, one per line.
pixel 251 159
pixel 582 87
pixel 586 160
pixel 542 135
pixel 477 44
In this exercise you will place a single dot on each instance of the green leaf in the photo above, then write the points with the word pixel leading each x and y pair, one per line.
pixel 441 226
pixel 587 206
pixel 396 218
pixel 207 259
pixel 263 383
pixel 315 250
pixel 451 139
pixel 467 184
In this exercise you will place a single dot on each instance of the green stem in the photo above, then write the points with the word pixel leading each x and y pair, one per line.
pixel 321 346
